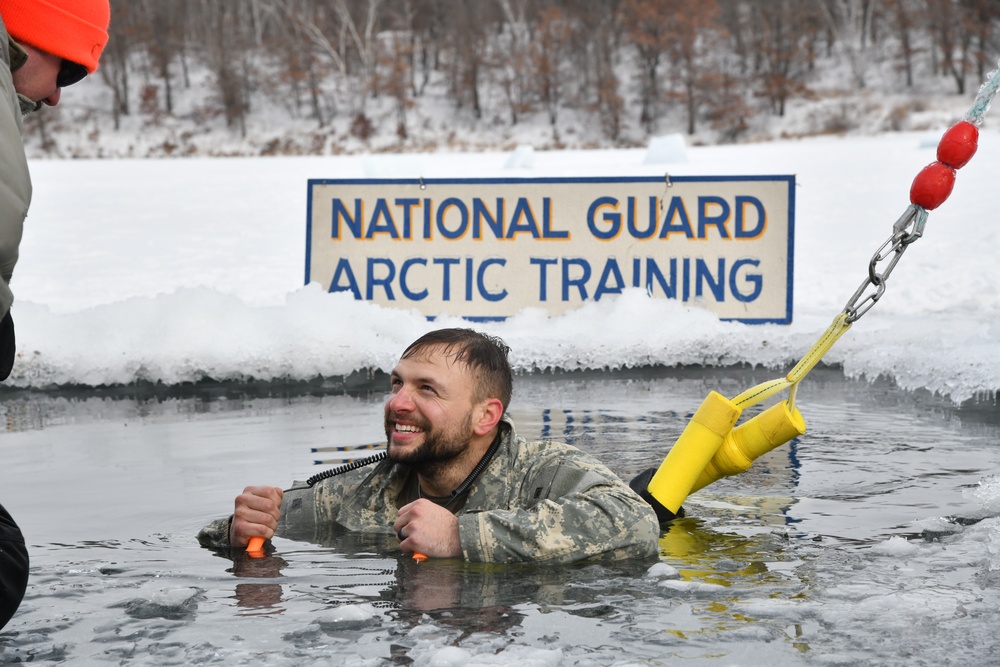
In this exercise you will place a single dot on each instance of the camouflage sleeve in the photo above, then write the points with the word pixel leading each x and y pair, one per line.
pixel 305 509
pixel 582 512
pixel 298 518
pixel 216 534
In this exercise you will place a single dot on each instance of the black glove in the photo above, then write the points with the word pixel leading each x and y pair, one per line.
pixel 640 483
pixel 7 346
pixel 13 567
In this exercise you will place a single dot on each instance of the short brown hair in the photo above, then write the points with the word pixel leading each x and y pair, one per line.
pixel 485 355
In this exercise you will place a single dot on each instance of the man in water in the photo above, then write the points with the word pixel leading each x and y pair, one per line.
pixel 45 45
pixel 458 481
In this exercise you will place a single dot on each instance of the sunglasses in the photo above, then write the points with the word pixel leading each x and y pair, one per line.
pixel 70 73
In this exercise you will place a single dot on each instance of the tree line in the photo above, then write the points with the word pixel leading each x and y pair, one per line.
pixel 718 62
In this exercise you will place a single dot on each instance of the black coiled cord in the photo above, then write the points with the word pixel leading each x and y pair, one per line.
pixel 361 463
pixel 347 467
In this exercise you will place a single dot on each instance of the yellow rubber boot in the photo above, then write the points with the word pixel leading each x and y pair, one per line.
pixel 699 442
pixel 771 428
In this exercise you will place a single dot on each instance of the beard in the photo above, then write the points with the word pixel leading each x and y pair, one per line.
pixel 439 446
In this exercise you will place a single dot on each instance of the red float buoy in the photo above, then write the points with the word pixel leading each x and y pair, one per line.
pixel 932 185
pixel 958 145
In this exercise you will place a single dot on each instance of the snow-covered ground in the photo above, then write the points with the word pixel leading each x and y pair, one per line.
pixel 177 270
pixel 183 268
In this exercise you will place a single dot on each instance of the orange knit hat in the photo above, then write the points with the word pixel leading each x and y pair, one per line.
pixel 75 30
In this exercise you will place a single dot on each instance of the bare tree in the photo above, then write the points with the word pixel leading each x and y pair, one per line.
pixel 469 52
pixel 515 55
pixel 780 42
pixel 950 24
pixel 430 28
pixel 983 18
pixel 117 54
pixel 850 21
pixel 361 33
pixel 394 77
pixel 694 37
pixel 228 33
pixel 647 23
pixel 550 48
pixel 165 37
pixel 591 55
pixel 903 17
pixel 300 59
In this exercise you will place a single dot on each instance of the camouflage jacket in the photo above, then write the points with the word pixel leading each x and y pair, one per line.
pixel 535 501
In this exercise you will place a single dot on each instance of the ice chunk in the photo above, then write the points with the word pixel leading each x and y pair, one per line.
pixel 662 571
pixel 668 148
pixel 987 494
pixel 450 656
pixel 691 586
pixel 993 546
pixel 895 546
pixel 523 157
pixel 393 166
pixel 177 604
pixel 521 656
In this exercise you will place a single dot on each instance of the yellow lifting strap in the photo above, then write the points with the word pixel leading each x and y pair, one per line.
pixel 710 448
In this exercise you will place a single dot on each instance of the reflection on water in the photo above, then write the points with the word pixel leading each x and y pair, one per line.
pixel 818 555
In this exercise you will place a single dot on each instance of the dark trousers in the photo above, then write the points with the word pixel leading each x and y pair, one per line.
pixel 13 567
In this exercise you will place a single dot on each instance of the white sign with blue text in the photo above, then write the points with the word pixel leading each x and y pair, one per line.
pixel 488 248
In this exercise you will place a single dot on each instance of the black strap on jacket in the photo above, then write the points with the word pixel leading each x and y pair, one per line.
pixel 7 346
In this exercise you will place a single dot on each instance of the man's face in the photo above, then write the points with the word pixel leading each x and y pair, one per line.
pixel 36 79
pixel 428 414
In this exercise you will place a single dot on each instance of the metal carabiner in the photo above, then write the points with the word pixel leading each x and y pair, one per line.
pixel 915 216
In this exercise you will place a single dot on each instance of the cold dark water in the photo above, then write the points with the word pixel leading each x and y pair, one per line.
pixel 830 551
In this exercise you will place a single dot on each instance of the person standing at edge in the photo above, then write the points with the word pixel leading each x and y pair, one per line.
pixel 45 45
pixel 458 480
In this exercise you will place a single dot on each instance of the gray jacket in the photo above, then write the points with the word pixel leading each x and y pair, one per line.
pixel 15 182
pixel 535 501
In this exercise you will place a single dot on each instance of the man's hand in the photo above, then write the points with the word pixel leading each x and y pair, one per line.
pixel 257 512
pixel 429 529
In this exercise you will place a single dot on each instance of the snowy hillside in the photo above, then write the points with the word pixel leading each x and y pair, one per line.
pixel 83 125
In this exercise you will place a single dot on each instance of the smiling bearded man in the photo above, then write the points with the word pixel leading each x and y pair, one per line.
pixel 457 480
pixel 411 437
pixel 442 412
